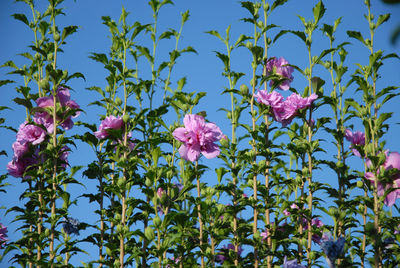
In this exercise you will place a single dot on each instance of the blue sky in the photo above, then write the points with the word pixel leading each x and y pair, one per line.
pixel 203 70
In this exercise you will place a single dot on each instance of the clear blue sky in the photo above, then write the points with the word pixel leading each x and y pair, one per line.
pixel 202 70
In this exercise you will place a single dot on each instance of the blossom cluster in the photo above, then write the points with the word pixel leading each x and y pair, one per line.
pixel 31 134
pixel 284 111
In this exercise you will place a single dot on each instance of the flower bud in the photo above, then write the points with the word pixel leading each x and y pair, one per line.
pixel 56 36
pixel 157 221
pixel 148 182
pixel 360 184
pixel 118 101
pixel 44 84
pixel 244 89
pixel 149 233
pixel 125 118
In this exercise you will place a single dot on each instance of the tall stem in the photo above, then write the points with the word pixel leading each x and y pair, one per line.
pixel 199 216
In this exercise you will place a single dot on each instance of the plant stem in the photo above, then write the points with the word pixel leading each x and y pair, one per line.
pixel 199 216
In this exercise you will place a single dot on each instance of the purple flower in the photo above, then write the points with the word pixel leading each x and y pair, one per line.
pixel 30 133
pixel 20 149
pixel 333 249
pixel 284 110
pixel 3 235
pixel 293 207
pixel 392 162
pixel 64 156
pixel 71 226
pixel 197 137
pixel 355 138
pixel 291 264
pixel 273 99
pixel 63 96
pixel 17 167
pixel 281 68
pixel 109 123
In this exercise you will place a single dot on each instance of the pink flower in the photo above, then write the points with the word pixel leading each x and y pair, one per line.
pixel 355 138
pixel 3 235
pixel 30 133
pixel 293 207
pixel 284 110
pixel 273 99
pixel 109 123
pixel 20 149
pixel 16 168
pixel 316 223
pixel 281 68
pixel 63 96
pixel 392 161
pixel 197 137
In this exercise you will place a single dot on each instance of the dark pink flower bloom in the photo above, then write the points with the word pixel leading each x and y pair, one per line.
pixel 3 235
pixel 30 133
pixel 197 137
pixel 392 161
pixel 280 67
pixel 109 123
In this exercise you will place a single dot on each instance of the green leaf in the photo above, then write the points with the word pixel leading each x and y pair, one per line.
pixel 21 17
pixel 75 75
pixel 99 57
pixel 188 49
pixel 5 82
pixel 146 52
pixel 323 54
pixel 23 102
pixel 382 19
pixel 215 33
pixel 277 3
pixel 185 16
pixel 68 31
pixel 319 11
pixel 9 64
pixel 249 6
pixel 356 35
pixel 167 34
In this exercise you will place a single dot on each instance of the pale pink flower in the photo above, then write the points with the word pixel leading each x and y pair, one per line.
pixel 197 137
